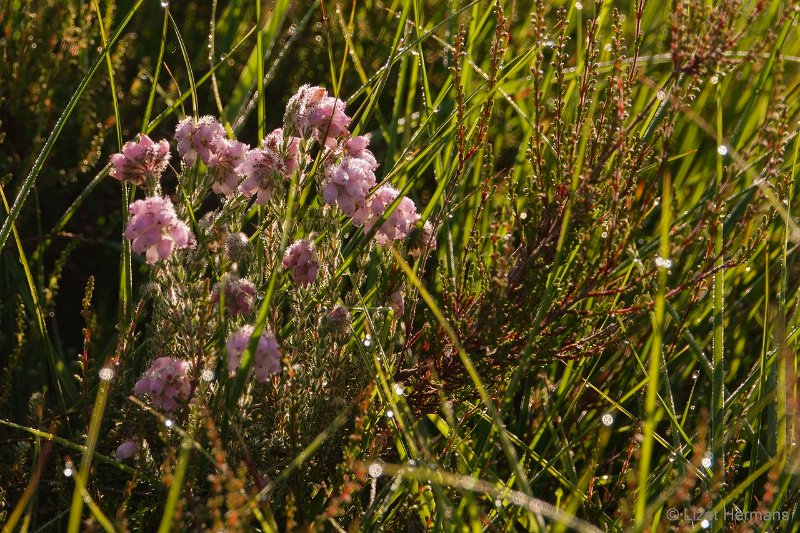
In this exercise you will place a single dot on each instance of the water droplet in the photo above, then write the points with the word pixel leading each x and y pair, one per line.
pixel 523 215
pixel 706 461
pixel 607 419
pixel 260 295
pixel 722 149
pixel 695 374
pixel 68 472
pixel 107 374
pixel 714 79
pixel 389 414
pixel 375 470
pixel 367 340
pixel 705 524
pixel 398 389
pixel 164 3
pixel 207 375
pixel 661 95
pixel 578 6
pixel 663 262
pixel 169 423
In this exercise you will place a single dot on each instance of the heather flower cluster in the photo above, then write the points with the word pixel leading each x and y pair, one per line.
pixel 155 230
pixel 166 382
pixel 315 124
pixel 397 225
pixel 311 110
pixel 140 161
pixel 239 294
pixel 301 259
pixel 350 169
pixel 266 359
pixel 349 181
pixel 198 138
pixel 268 167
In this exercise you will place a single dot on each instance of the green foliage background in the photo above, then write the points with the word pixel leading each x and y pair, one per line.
pixel 598 255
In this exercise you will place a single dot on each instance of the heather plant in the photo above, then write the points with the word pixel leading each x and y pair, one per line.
pixel 408 266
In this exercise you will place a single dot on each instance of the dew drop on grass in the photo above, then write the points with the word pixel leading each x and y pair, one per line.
pixel 706 461
pixel 695 374
pixel 722 149
pixel 164 3
pixel 607 419
pixel 714 79
pixel 169 423
pixel 705 524
pixel 107 374
pixel 663 262
pixel 389 414
pixel 375 470
pixel 68 472
pixel 578 6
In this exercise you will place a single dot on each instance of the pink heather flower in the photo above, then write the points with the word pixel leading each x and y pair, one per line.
pixel 226 156
pixel 196 138
pixel 266 360
pixel 141 160
pixel 421 240
pixel 348 184
pixel 396 302
pixel 166 382
pixel 239 295
pixel 336 321
pixel 127 449
pixel 301 258
pixel 268 167
pixel 311 109
pixel 329 118
pixel 155 229
pixel 287 147
pixel 357 147
pixel 397 225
